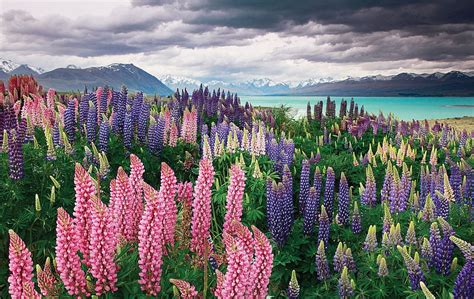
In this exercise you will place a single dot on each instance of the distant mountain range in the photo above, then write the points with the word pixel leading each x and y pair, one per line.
pixel 71 78
pixel 454 83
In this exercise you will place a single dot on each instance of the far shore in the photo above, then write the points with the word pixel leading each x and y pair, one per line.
pixel 459 123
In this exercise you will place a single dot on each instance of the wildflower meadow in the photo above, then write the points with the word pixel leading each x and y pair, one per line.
pixel 116 194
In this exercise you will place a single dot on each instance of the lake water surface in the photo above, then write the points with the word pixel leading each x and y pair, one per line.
pixel 406 108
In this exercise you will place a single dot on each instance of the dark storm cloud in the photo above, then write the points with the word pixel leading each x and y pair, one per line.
pixel 354 30
pixel 137 33
pixel 288 32
pixel 361 16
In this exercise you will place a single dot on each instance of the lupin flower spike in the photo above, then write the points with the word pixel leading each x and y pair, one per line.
pixel 293 287
pixel 345 285
pixel 414 271
pixel 383 270
pixel 371 240
pixel 426 291
pixel 322 267
pixel 186 290
pixel 411 235
pixel 21 269
pixel 235 194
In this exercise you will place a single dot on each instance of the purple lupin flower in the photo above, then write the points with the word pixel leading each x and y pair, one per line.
pixel 275 211
pixel 338 260
pixel 404 188
pixel 136 108
pixel 272 210
pixel 395 192
pixel 160 133
pixel 387 183
pixel 349 260
pixel 424 185
pixel 370 243
pixel 427 252
pixel 143 122
pixel 344 201
pixel 441 203
pixel 152 140
pixel 345 285
pixel 120 111
pixel 103 102
pixel 455 179
pixel 318 186
pixel 445 254
pixel 323 232
pixel 414 271
pixel 465 279
pixel 91 123
pixel 310 212
pixel 287 204
pixel 128 130
pixel 329 192
pixel 369 196
pixel 84 111
pixel 435 242
pixel 322 266
pixel 22 131
pixel 104 132
pixel 293 287
pixel 15 155
pixel 70 121
pixel 56 134
pixel 304 185
pixel 356 220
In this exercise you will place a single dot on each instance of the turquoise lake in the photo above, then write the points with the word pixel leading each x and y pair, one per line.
pixel 405 108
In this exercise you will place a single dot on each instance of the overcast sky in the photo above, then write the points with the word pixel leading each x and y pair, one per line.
pixel 285 40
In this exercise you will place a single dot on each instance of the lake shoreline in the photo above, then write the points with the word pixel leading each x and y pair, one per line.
pixel 459 123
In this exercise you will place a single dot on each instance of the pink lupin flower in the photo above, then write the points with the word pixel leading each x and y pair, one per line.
pixel 150 240
pixel 68 261
pixel 220 283
pixel 21 269
pixel 135 200
pixel 102 247
pixel 235 193
pixel 243 235
pixel 238 269
pixel 185 192
pixel 50 97
pixel 201 222
pixel 261 267
pixel 120 203
pixel 168 189
pixel 186 290
pixel 30 292
pixel 85 189
pixel 173 140
pixel 185 196
pixel 189 127
pixel 47 280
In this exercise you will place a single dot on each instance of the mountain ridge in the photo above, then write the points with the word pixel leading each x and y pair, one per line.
pixel 71 77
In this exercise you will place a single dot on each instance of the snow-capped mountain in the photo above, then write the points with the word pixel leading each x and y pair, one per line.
pixel 9 67
pixel 114 75
pixel 311 81
pixel 178 82
pixel 266 86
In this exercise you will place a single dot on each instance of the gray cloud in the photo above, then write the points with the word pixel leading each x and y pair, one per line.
pixel 218 38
